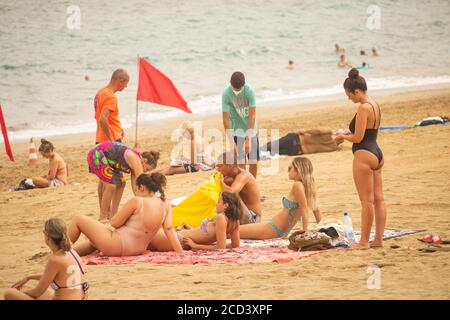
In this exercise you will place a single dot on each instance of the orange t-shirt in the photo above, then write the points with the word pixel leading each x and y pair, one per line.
pixel 105 98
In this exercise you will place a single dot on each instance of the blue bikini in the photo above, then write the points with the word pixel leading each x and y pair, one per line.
pixel 292 206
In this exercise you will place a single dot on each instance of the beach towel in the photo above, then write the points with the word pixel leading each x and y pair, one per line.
pixel 392 128
pixel 250 252
pixel 388 234
pixel 243 255
pixel 199 205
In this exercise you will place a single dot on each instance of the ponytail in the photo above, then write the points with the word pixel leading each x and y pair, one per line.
pixel 46 146
pixel 56 230
pixel 151 157
pixel 154 182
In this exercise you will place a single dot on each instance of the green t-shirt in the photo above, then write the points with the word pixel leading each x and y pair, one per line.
pixel 238 106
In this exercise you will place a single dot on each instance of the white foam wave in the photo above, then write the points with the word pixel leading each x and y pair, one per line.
pixel 212 104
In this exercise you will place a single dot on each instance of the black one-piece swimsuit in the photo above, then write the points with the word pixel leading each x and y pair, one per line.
pixel 369 142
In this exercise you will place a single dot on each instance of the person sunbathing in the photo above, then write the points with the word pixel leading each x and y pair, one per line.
pixel 57 170
pixel 135 224
pixel 305 141
pixel 63 278
pixel 193 159
pixel 242 182
pixel 212 233
pixel 295 205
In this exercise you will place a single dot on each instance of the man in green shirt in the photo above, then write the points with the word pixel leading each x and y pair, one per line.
pixel 239 121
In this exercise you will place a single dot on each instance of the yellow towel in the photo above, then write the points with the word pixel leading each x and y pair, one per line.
pixel 199 205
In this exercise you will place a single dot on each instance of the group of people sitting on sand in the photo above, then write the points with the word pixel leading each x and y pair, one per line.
pixel 144 222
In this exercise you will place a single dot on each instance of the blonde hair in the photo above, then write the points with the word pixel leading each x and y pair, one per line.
pixel 56 230
pixel 304 168
pixel 187 126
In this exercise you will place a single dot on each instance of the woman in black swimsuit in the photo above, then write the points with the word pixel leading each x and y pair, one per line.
pixel 368 159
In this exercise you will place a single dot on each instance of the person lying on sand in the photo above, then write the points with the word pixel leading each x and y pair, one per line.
pixel 305 141
pixel 57 170
pixel 63 278
pixel 195 158
pixel 242 182
pixel 108 161
pixel 295 206
pixel 135 224
pixel 212 233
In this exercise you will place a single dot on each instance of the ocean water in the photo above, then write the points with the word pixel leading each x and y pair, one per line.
pixel 198 44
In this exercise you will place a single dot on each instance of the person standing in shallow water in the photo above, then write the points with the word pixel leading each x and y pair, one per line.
pixel 290 65
pixel 368 159
pixel 342 63
pixel 338 48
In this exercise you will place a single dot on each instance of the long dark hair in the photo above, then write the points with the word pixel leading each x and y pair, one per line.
pixel 234 209
pixel 152 158
pixel 355 81
pixel 154 182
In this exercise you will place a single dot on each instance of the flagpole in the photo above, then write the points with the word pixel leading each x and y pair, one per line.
pixel 137 107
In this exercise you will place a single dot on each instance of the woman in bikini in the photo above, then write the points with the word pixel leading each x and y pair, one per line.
pixel 63 278
pixel 135 224
pixel 57 170
pixel 212 233
pixel 109 161
pixel 368 159
pixel 295 206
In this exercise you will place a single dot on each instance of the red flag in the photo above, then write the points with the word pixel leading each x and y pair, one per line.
pixel 5 136
pixel 154 86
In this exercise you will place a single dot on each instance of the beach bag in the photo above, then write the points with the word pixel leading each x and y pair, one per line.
pixel 309 241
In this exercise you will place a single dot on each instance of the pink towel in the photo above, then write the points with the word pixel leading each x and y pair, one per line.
pixel 242 255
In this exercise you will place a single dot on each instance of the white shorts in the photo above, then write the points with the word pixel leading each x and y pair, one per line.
pixel 55 183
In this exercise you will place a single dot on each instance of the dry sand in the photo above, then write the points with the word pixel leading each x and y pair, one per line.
pixel 416 185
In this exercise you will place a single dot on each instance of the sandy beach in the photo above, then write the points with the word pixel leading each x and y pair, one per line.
pixel 416 186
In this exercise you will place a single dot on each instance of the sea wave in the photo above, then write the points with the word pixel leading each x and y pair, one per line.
pixel 212 104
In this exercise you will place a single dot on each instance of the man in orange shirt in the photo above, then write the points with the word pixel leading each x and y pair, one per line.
pixel 109 128
pixel 107 109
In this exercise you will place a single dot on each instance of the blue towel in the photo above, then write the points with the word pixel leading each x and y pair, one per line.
pixel 393 128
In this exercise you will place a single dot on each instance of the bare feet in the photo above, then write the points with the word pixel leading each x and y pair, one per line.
pixel 376 244
pixel 361 246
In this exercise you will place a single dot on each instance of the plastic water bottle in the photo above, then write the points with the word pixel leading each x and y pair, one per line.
pixel 348 228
